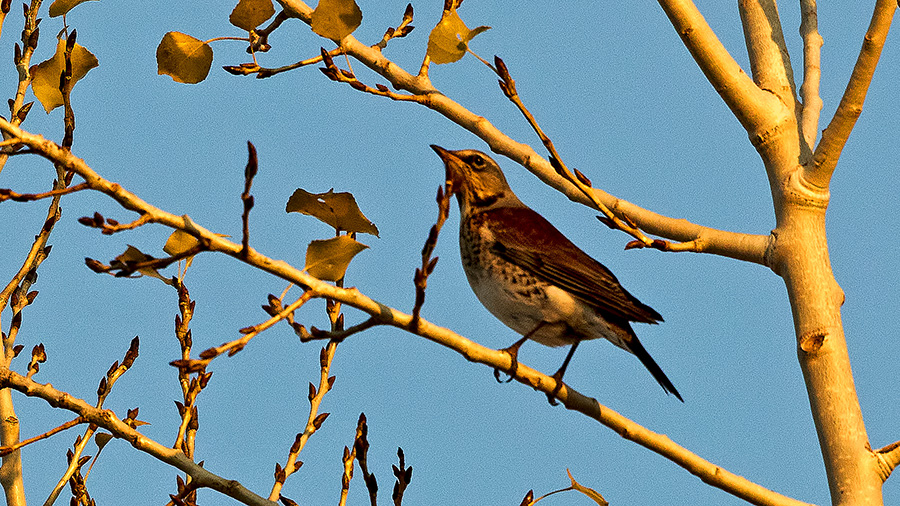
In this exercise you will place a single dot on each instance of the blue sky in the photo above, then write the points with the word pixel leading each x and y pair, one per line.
pixel 624 103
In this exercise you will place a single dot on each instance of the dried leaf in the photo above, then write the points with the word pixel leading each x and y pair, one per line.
pixel 328 259
pixel 336 19
pixel 133 254
pixel 248 14
pixel 449 40
pixel 45 75
pixel 593 494
pixel 336 209
pixel 183 57
pixel 102 438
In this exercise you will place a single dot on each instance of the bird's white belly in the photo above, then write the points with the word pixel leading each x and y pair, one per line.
pixel 523 304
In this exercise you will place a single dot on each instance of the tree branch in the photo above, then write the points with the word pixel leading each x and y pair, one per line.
pixel 888 459
pixel 755 108
pixel 812 73
pixel 838 131
pixel 769 59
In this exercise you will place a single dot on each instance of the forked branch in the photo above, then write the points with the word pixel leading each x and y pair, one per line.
pixel 838 131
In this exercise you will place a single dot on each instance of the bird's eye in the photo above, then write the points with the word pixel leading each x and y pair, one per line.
pixel 477 162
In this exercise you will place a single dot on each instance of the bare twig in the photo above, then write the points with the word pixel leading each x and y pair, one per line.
pixel 126 268
pixel 65 88
pixel 347 76
pixel 361 445
pixel 313 422
pixel 403 475
pixel 191 386
pixel 402 30
pixel 5 450
pixel 7 194
pixel 315 334
pixel 428 263
pixel 246 198
pixel 508 86
pixel 236 345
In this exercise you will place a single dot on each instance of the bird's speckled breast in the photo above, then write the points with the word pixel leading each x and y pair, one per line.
pixel 514 296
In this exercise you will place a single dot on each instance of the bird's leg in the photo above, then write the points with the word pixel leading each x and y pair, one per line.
pixel 513 352
pixel 558 376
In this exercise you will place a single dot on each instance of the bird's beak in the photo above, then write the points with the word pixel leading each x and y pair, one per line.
pixel 454 166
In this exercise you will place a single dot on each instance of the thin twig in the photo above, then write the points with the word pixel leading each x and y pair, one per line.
pixel 313 422
pixel 236 345
pixel 428 263
pixel 249 173
pixel 5 450
pixel 508 86
pixel 346 76
pixel 7 194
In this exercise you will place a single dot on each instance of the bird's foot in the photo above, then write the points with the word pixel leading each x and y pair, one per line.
pixel 511 372
pixel 513 352
pixel 551 397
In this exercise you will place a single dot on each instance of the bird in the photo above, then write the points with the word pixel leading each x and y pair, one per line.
pixel 532 277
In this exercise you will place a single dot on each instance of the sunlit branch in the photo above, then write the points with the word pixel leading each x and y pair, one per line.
pixel 812 73
pixel 752 106
pixel 769 59
pixel 888 459
pixel 838 131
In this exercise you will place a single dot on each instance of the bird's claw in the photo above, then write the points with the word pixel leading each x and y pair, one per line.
pixel 551 397
pixel 513 352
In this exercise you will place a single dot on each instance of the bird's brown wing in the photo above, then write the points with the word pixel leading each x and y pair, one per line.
pixel 537 246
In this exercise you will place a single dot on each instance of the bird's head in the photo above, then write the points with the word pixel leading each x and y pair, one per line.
pixel 476 179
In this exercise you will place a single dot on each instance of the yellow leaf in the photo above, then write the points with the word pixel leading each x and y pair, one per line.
pixel 61 7
pixel 449 40
pixel 179 242
pixel 45 75
pixel 183 57
pixel 336 19
pixel 248 14
pixel 336 209
pixel 328 259
pixel 593 494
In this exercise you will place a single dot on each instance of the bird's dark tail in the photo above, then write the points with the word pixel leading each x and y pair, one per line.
pixel 635 346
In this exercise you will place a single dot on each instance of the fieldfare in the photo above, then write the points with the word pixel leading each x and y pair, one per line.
pixel 531 277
